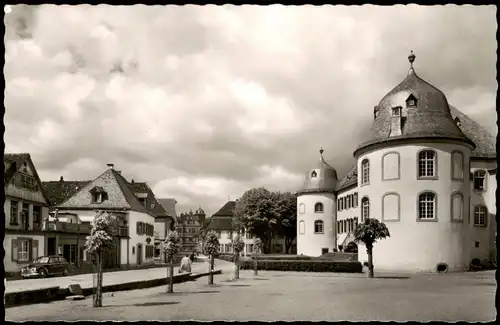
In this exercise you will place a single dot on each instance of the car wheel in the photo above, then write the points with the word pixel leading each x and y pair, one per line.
pixel 66 272
pixel 42 273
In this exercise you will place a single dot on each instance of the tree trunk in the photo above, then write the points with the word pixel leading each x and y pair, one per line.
pixel 237 266
pixel 171 275
pixel 369 251
pixel 98 293
pixel 255 268
pixel 211 266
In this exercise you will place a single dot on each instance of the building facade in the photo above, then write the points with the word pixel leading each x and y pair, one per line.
pixel 188 227
pixel 26 206
pixel 427 171
pixel 112 193
pixel 221 223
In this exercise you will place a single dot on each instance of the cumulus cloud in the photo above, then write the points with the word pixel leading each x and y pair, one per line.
pixel 206 102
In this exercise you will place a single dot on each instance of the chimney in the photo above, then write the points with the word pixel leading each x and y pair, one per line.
pixel 61 179
pixel 396 121
pixel 133 182
pixel 111 166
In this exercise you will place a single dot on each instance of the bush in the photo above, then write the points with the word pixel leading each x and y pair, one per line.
pixel 304 266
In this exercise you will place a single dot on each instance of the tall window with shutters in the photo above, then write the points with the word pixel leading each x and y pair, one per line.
pixel 24 250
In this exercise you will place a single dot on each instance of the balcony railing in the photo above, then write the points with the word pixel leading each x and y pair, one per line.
pixel 78 228
pixel 67 227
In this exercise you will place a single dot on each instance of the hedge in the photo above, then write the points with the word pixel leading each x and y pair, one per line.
pixel 304 266
pixel 283 257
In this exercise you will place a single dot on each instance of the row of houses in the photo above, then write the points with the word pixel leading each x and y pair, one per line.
pixel 54 217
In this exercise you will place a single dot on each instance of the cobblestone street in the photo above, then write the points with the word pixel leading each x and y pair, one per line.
pixel 273 296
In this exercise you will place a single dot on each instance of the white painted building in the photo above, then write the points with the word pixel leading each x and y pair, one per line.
pixel 428 172
pixel 112 193
pixel 221 223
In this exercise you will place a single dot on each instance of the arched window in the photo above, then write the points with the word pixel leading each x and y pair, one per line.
pixel 365 209
pixel 480 213
pixel 426 163
pixel 365 171
pixel 314 174
pixel 479 180
pixel 427 206
pixel 318 207
pixel 302 208
pixel 318 227
pixel 302 227
pixel 457 165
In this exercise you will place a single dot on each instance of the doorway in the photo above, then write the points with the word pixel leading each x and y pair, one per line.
pixel 139 254
pixel 324 251
pixel 51 246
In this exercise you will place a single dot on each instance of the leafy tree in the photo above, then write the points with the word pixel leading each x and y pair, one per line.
pixel 104 226
pixel 238 245
pixel 257 249
pixel 257 212
pixel 171 246
pixel 210 248
pixel 369 232
pixel 287 209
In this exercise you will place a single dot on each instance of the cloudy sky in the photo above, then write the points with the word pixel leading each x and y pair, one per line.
pixel 204 103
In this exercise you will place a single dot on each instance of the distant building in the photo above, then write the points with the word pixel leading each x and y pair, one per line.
pixel 188 227
pixel 221 223
pixel 427 171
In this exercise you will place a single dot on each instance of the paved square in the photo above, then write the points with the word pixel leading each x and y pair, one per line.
pixel 291 296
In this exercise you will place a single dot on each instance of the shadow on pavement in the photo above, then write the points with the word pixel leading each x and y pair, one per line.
pixel 260 279
pixel 173 294
pixel 146 304
pixel 392 277
pixel 235 285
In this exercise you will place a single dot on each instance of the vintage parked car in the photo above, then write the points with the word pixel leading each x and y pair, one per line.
pixel 45 266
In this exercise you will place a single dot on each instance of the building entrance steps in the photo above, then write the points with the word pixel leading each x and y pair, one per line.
pixel 111 278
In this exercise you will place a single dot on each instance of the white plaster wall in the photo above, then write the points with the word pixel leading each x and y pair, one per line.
pixel 416 245
pixel 133 218
pixel 13 266
pixel 160 229
pixel 310 243
pixel 123 251
pixel 485 236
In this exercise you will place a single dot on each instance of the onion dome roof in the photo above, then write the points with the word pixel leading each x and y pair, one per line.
pixel 322 178
pixel 424 112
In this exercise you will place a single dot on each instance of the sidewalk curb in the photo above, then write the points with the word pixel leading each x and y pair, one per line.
pixel 54 293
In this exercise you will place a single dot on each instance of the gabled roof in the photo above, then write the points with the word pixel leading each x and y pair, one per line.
pixel 143 187
pixel 220 223
pixel 350 179
pixel 226 210
pixel 169 205
pixel 60 191
pixel 222 219
pixel 18 159
pixel 485 142
pixel 119 195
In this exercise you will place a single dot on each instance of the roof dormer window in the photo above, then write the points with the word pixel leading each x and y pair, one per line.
pixel 98 194
pixel 314 174
pixel 396 111
pixel 411 101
